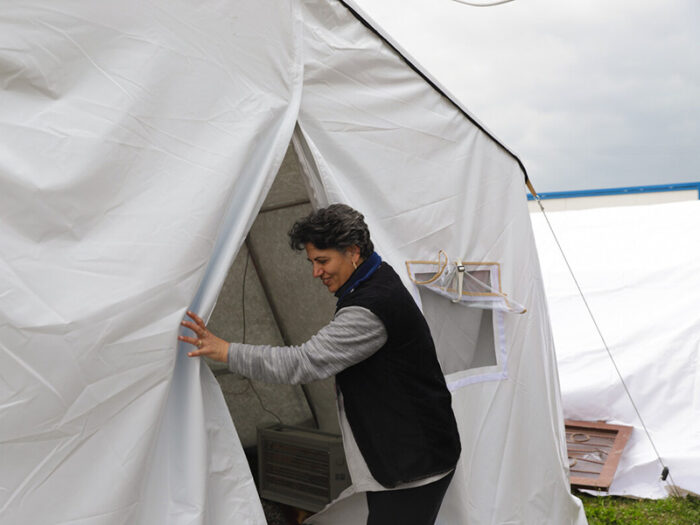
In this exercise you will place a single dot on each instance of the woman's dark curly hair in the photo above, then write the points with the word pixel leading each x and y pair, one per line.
pixel 338 226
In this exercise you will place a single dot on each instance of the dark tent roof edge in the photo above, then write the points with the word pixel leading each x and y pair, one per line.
pixel 432 83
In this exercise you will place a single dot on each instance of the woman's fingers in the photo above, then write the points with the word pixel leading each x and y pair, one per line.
pixel 205 351
pixel 212 347
pixel 201 332
pixel 196 318
pixel 202 347
pixel 207 343
pixel 191 340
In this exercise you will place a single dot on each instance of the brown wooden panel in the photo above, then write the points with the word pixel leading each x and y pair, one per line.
pixel 594 450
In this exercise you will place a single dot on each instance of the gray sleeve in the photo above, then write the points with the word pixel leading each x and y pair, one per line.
pixel 352 336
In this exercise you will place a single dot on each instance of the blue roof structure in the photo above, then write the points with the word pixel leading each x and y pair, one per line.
pixel 618 191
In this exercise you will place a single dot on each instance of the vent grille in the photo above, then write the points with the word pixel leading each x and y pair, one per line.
pixel 301 467
pixel 297 467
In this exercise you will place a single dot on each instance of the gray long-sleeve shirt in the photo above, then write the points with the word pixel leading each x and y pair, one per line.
pixel 353 335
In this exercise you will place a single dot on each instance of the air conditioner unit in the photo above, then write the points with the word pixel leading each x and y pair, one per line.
pixel 301 467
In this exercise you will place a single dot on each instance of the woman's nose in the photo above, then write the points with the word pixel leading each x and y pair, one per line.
pixel 317 271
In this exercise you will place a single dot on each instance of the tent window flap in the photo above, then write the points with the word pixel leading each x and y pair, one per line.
pixel 474 284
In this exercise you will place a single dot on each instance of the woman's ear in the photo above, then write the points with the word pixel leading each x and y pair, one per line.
pixel 353 253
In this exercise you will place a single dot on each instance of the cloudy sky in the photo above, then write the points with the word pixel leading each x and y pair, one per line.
pixel 589 93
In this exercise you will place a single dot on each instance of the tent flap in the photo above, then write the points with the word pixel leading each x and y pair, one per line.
pixel 128 134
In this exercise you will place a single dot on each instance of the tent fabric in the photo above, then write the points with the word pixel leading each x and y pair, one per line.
pixel 138 143
pixel 427 178
pixel 639 268
pixel 127 133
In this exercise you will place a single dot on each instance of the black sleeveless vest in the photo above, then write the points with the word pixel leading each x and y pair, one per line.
pixel 396 401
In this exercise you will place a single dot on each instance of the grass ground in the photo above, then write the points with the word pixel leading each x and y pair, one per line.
pixel 611 510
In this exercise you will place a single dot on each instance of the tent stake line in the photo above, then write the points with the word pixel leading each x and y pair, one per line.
pixel 665 473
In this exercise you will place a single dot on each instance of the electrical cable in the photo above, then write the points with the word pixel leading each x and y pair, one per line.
pixel 252 386
pixel 665 470
pixel 491 4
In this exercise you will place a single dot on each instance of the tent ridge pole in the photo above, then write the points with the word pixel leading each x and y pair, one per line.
pixel 276 207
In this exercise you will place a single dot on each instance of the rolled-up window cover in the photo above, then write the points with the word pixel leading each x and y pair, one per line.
pixel 475 284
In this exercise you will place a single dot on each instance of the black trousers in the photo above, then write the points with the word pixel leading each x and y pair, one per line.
pixel 416 506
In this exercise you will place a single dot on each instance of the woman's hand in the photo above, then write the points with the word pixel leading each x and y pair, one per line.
pixel 208 345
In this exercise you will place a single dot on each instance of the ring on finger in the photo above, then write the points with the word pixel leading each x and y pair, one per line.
pixel 199 343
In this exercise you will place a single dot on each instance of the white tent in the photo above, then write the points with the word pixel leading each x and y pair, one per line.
pixel 138 142
pixel 639 268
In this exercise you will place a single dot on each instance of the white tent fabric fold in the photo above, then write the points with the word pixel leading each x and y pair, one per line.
pixel 128 132
pixel 639 268
pixel 137 144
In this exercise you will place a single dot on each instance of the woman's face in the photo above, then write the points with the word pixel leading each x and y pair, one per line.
pixel 333 267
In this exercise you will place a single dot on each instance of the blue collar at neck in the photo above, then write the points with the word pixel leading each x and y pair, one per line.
pixel 361 274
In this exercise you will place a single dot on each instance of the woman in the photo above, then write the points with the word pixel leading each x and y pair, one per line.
pixel 399 432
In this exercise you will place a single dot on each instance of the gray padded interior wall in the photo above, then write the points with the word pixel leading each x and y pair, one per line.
pixel 283 305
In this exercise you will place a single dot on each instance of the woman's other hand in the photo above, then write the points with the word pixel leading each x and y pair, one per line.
pixel 208 345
